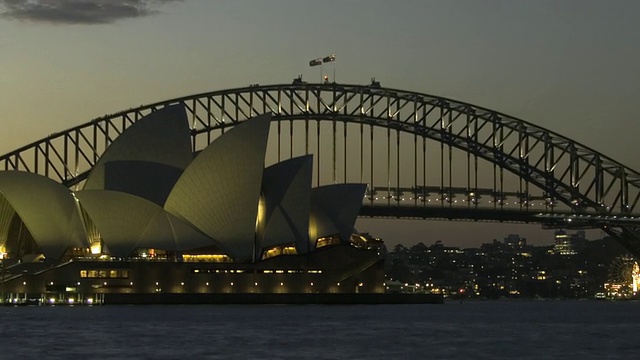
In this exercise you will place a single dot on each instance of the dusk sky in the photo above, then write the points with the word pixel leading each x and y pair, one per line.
pixel 572 67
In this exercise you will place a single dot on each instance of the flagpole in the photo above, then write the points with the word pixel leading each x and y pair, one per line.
pixel 334 71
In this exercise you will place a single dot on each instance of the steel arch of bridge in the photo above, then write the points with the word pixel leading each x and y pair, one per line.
pixel 488 165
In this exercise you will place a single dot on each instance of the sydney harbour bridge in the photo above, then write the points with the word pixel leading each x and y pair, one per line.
pixel 422 156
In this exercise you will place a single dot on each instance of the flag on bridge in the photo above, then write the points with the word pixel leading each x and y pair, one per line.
pixel 315 62
pixel 330 58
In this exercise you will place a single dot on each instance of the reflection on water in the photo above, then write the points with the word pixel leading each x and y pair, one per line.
pixel 533 330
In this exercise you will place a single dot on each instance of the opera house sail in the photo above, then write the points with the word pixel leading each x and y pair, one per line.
pixel 155 217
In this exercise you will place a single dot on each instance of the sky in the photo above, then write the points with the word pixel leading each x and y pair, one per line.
pixel 569 66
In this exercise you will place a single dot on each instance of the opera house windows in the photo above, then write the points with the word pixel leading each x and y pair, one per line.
pixel 104 274
pixel 279 250
pixel 218 258
pixel 328 241
pixel 151 254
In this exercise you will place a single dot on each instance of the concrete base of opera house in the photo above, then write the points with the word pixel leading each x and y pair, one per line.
pixel 270 298
pixel 235 299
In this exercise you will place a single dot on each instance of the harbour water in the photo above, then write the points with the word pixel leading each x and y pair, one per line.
pixel 472 330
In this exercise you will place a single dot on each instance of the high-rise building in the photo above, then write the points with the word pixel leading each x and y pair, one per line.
pixel 514 241
pixel 568 244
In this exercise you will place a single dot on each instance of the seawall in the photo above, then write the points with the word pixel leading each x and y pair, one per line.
pixel 270 298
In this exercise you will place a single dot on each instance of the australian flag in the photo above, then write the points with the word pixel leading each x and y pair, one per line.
pixel 329 58
pixel 315 62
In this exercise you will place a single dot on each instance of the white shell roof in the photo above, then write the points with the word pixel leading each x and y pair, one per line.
pixel 286 188
pixel 218 193
pixel 161 138
pixel 47 209
pixel 334 210
pixel 148 180
pixel 127 222
pixel 6 215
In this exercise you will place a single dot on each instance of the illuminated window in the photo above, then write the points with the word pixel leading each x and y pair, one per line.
pixel 278 250
pixel 96 248
pixel 218 258
pixel 98 274
pixel 327 241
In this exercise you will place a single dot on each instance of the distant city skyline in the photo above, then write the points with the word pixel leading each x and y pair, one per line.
pixel 411 232
pixel 568 66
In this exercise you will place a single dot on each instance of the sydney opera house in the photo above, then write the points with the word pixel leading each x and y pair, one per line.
pixel 152 217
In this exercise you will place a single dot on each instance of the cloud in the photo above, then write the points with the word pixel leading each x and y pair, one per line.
pixel 79 11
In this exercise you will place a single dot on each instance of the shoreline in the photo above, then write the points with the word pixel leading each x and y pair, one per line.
pixel 270 298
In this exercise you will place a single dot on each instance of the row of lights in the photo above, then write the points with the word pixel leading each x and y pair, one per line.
pixel 464 200
pixel 182 283
pixel 255 284
pixel 70 301
pixel 157 283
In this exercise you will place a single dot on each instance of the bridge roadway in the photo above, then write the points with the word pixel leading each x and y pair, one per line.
pixel 556 219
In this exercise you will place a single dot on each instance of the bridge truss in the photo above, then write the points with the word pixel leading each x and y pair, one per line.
pixel 422 156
